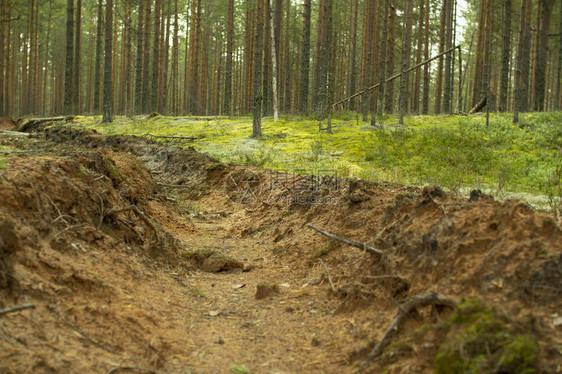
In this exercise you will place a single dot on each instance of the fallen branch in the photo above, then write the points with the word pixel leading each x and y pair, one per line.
pixel 359 245
pixel 189 138
pixel 137 368
pixel 28 124
pixel 328 274
pixel 408 306
pixel 479 105
pixel 137 211
pixel 16 308
pixel 174 185
pixel 7 133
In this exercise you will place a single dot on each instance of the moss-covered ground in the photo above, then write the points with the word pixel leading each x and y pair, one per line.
pixel 455 152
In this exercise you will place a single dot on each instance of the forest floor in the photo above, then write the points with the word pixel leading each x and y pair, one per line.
pixel 133 256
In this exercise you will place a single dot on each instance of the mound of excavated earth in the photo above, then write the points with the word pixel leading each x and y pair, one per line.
pixel 120 254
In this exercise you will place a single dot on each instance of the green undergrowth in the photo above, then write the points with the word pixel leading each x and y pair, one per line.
pixel 455 152
pixel 479 340
pixel 3 164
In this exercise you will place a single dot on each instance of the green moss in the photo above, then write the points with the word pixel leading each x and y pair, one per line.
pixel 456 152
pixel 3 163
pixel 113 172
pixel 322 251
pixel 481 341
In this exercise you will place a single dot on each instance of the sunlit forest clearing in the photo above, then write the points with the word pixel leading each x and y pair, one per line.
pixel 459 153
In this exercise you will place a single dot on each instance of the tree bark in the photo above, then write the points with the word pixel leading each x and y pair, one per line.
pixel 108 67
pixel 273 62
pixel 229 50
pixel 257 73
pixel 140 56
pixel 305 58
pixel 76 104
pixel 389 95
pixel 425 98
pixel 156 57
pixel 447 94
pixel 523 55
pixel 540 71
pixel 405 59
pixel 145 103
pixel 368 39
pixel 69 59
pixel 505 57
pixel 383 14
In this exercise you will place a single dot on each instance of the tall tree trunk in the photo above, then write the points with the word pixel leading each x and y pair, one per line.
pixel 257 73
pixel 156 57
pixel 273 61
pixel 163 105
pixel 195 41
pixel 540 71
pixel 2 43
pixel 447 96
pixel 417 81
pixel 98 64
pixel 557 104
pixel 324 57
pixel 442 41
pixel 506 54
pixel 406 45
pixel 140 56
pixel 370 19
pixel 76 102
pixel 287 60
pixel 229 51
pixel 383 14
pixel 425 98
pixel 145 105
pixel 389 95
pixel 108 67
pixel 353 63
pixel 521 103
pixel 68 70
pixel 305 58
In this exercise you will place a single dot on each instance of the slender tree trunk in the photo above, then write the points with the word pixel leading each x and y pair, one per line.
pixel 442 41
pixel 505 57
pixel 383 12
pixel 389 95
pixel 98 64
pixel 425 98
pixel 146 58
pixel 108 68
pixel 76 102
pixel 257 76
pixel 447 97
pixel 68 70
pixel 523 56
pixel 140 56
pixel 405 57
pixel 305 57
pixel 2 80
pixel 353 62
pixel 229 51
pixel 368 57
pixel 156 57
pixel 540 71
pixel 559 72
pixel 273 62
pixel 417 81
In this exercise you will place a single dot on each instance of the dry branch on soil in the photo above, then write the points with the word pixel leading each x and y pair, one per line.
pixel 16 308
pixel 188 138
pixel 342 239
pixel 7 133
pixel 139 214
pixel 404 310
pixel 328 274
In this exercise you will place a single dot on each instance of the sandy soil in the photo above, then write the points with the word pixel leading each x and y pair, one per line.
pixel 142 257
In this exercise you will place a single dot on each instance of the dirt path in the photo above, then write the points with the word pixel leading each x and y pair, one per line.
pixel 116 287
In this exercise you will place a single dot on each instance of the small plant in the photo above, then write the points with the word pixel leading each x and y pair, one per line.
pixel 553 185
pixel 316 147
pixel 239 369
pixel 3 163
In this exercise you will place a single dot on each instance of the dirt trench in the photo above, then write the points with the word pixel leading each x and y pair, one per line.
pixel 142 257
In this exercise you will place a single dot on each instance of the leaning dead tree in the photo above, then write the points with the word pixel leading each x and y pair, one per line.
pixel 398 75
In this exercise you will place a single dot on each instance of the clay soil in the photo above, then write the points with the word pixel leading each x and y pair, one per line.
pixel 143 257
